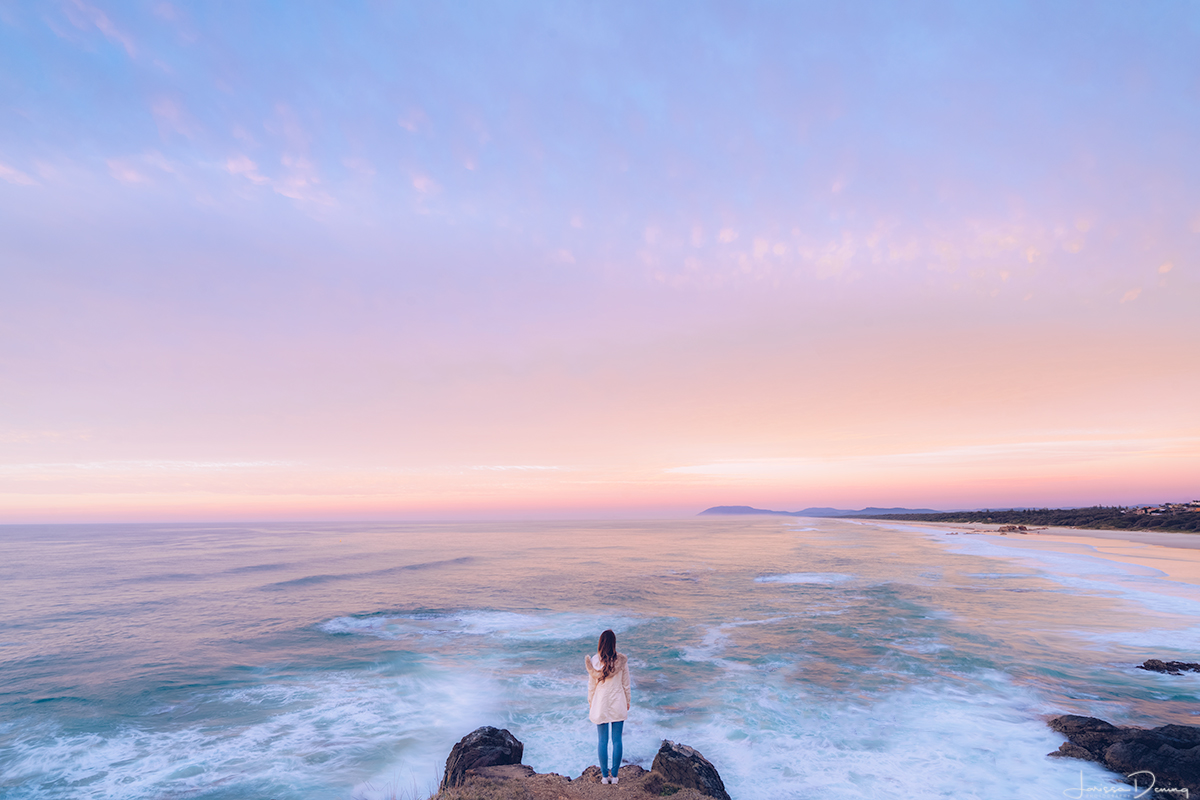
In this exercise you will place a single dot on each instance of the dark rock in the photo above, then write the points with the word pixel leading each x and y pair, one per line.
pixel 1092 734
pixel 1068 750
pixel 682 766
pixel 1169 667
pixel 1171 753
pixel 482 747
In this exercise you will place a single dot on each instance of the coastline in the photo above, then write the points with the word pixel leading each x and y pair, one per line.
pixel 1176 555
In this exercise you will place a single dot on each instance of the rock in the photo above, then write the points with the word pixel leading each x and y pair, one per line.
pixel 1092 734
pixel 486 764
pixel 1068 750
pixel 503 771
pixel 1171 753
pixel 682 766
pixel 654 785
pixel 482 747
pixel 1169 667
pixel 593 775
pixel 629 772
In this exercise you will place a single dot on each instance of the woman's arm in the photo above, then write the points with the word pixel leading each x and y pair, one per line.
pixel 587 662
pixel 625 684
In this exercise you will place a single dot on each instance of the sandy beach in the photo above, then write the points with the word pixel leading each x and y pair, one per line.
pixel 1176 555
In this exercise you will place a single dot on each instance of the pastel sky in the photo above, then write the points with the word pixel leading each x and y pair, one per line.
pixel 437 260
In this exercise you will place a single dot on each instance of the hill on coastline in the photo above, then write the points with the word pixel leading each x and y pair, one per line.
pixel 1092 517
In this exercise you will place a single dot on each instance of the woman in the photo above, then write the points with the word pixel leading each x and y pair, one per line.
pixel 608 699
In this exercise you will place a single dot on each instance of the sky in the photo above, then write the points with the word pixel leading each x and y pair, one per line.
pixel 502 260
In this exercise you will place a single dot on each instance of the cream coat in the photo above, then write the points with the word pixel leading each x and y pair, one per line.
pixel 608 700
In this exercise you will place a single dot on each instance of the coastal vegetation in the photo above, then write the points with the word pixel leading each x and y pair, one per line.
pixel 1093 517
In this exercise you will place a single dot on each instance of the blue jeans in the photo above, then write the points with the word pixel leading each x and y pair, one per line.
pixel 602 730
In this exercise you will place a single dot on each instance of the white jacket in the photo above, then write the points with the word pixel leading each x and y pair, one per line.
pixel 608 700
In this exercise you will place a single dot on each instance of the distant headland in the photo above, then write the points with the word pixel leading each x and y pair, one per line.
pixel 1172 517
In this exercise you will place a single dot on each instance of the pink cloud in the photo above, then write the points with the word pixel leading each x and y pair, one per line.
pixel 360 166
pixel 88 14
pixel 242 165
pixel 301 181
pixel 413 121
pixel 13 175
pixel 172 116
pixel 124 172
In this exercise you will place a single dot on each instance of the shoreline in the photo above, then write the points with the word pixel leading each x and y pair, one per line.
pixel 1176 555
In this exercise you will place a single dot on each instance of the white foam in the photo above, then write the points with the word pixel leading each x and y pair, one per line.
pixel 315 736
pixel 805 577
pixel 716 639
pixel 493 624
pixel 1172 600
pixel 775 741
pixel 771 737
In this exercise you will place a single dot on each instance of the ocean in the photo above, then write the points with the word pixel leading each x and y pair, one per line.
pixel 806 658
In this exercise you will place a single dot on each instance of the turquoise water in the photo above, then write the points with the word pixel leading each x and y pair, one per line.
pixel 805 658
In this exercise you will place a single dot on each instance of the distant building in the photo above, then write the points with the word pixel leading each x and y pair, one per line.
pixel 1168 508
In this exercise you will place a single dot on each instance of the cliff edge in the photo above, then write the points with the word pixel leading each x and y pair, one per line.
pixel 486 765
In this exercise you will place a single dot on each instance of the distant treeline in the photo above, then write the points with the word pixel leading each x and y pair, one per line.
pixel 1097 517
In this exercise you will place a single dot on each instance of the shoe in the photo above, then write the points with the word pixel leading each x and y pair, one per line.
pixel 604 779
pixel 613 779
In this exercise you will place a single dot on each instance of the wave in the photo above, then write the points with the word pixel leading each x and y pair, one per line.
pixel 806 577
pixel 312 580
pixel 497 624
pixel 255 568
pixel 322 735
pixel 771 738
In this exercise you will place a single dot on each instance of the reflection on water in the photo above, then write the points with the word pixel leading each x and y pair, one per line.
pixel 804 657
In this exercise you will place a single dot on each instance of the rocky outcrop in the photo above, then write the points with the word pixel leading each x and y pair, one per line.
pixel 1169 667
pixel 485 765
pixel 682 766
pixel 1171 754
pixel 482 747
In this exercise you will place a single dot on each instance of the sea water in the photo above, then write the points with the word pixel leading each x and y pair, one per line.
pixel 805 658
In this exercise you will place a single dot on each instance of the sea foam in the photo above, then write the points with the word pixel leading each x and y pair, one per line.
pixel 805 577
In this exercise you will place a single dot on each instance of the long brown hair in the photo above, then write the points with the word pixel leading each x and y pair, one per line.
pixel 607 648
